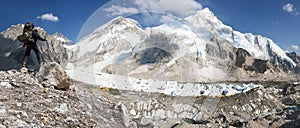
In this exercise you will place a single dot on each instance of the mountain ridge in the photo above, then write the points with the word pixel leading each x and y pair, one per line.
pixel 199 49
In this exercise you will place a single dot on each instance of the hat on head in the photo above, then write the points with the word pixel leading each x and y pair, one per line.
pixel 29 25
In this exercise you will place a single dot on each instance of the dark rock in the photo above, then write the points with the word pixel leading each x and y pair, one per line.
pixel 237 123
pixel 260 65
pixel 288 101
pixel 241 55
pixel 152 55
pixel 192 121
pixel 292 124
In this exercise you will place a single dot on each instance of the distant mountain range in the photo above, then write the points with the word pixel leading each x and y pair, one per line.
pixel 199 48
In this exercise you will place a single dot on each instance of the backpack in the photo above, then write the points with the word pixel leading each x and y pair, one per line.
pixel 26 37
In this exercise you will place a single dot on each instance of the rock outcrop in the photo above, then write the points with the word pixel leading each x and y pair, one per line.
pixel 296 58
pixel 245 60
pixel 55 75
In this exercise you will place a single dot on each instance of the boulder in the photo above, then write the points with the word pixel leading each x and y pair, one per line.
pixel 55 75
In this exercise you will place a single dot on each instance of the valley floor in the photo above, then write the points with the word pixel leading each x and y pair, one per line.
pixel 27 102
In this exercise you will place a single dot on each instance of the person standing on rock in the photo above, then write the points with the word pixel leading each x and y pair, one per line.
pixel 30 42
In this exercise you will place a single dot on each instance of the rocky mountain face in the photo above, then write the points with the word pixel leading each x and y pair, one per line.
pixel 296 58
pixel 11 51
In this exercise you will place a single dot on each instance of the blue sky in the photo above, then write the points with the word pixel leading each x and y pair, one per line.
pixel 266 17
pixel 71 14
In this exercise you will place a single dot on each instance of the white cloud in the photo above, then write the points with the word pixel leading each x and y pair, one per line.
pixel 118 10
pixel 150 19
pixel 295 47
pixel 176 7
pixel 167 19
pixel 290 8
pixel 48 17
pixel 179 8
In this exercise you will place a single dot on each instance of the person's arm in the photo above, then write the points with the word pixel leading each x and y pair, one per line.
pixel 37 36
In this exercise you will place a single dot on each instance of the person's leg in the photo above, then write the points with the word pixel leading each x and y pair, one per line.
pixel 38 54
pixel 27 54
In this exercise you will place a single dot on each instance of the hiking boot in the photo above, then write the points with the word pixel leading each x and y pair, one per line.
pixel 24 61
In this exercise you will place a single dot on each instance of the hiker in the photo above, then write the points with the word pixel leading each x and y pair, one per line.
pixel 30 43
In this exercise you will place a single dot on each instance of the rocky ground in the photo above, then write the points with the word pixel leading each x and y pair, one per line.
pixel 27 100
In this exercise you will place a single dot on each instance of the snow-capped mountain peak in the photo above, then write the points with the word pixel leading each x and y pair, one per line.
pixel 116 29
pixel 62 38
pixel 206 18
pixel 258 46
pixel 119 21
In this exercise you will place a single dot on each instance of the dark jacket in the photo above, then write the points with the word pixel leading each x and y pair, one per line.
pixel 35 36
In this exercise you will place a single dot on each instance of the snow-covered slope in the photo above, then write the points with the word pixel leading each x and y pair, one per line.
pixel 258 46
pixel 118 29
